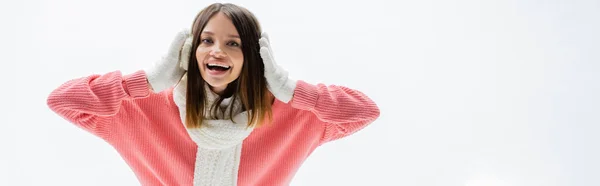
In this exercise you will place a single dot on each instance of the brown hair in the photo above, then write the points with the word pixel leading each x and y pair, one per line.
pixel 250 86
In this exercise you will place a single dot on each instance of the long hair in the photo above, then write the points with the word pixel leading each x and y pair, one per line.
pixel 250 86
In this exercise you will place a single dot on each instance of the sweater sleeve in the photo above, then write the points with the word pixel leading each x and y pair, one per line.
pixel 90 101
pixel 342 110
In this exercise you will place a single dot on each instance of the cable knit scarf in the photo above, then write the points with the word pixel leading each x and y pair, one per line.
pixel 219 140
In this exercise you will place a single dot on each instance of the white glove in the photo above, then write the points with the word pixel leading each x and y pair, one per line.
pixel 278 81
pixel 167 71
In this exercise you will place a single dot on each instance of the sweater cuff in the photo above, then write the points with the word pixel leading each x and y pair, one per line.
pixel 305 96
pixel 136 84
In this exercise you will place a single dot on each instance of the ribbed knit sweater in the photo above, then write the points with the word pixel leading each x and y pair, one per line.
pixel 147 131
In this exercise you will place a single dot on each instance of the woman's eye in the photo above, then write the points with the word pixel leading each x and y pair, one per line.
pixel 233 44
pixel 206 41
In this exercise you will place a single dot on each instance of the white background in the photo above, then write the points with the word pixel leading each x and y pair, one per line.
pixel 471 92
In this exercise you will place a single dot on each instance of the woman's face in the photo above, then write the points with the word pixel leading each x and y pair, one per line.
pixel 219 53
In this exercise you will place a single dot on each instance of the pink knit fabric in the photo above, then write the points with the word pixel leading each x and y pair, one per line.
pixel 146 129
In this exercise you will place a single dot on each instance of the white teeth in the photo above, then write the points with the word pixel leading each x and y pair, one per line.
pixel 219 65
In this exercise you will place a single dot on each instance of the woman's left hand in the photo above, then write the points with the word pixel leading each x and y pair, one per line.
pixel 278 81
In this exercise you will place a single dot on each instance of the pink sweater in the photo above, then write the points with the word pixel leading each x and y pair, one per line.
pixel 146 130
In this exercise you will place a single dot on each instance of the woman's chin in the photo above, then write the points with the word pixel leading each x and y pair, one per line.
pixel 217 87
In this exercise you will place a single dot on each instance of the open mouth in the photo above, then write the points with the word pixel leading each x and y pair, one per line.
pixel 217 67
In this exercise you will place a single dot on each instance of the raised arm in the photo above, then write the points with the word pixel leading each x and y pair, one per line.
pixel 343 110
pixel 89 101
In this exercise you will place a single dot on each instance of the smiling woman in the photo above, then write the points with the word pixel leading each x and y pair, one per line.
pixel 219 50
pixel 163 120
pixel 229 62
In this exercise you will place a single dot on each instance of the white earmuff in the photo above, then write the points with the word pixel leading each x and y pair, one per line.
pixel 185 53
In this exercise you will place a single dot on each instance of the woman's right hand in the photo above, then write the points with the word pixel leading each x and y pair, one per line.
pixel 167 71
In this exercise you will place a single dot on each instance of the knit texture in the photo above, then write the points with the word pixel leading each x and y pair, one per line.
pixel 219 140
pixel 147 131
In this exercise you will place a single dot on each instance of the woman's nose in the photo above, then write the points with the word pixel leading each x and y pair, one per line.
pixel 217 52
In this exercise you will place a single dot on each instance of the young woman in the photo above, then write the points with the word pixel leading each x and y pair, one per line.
pixel 216 110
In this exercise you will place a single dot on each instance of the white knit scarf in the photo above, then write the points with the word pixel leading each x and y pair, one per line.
pixel 219 140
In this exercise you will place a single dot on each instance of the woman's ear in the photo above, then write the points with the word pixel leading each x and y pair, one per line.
pixel 186 51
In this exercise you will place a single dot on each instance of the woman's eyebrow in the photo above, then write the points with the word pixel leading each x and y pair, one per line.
pixel 211 33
